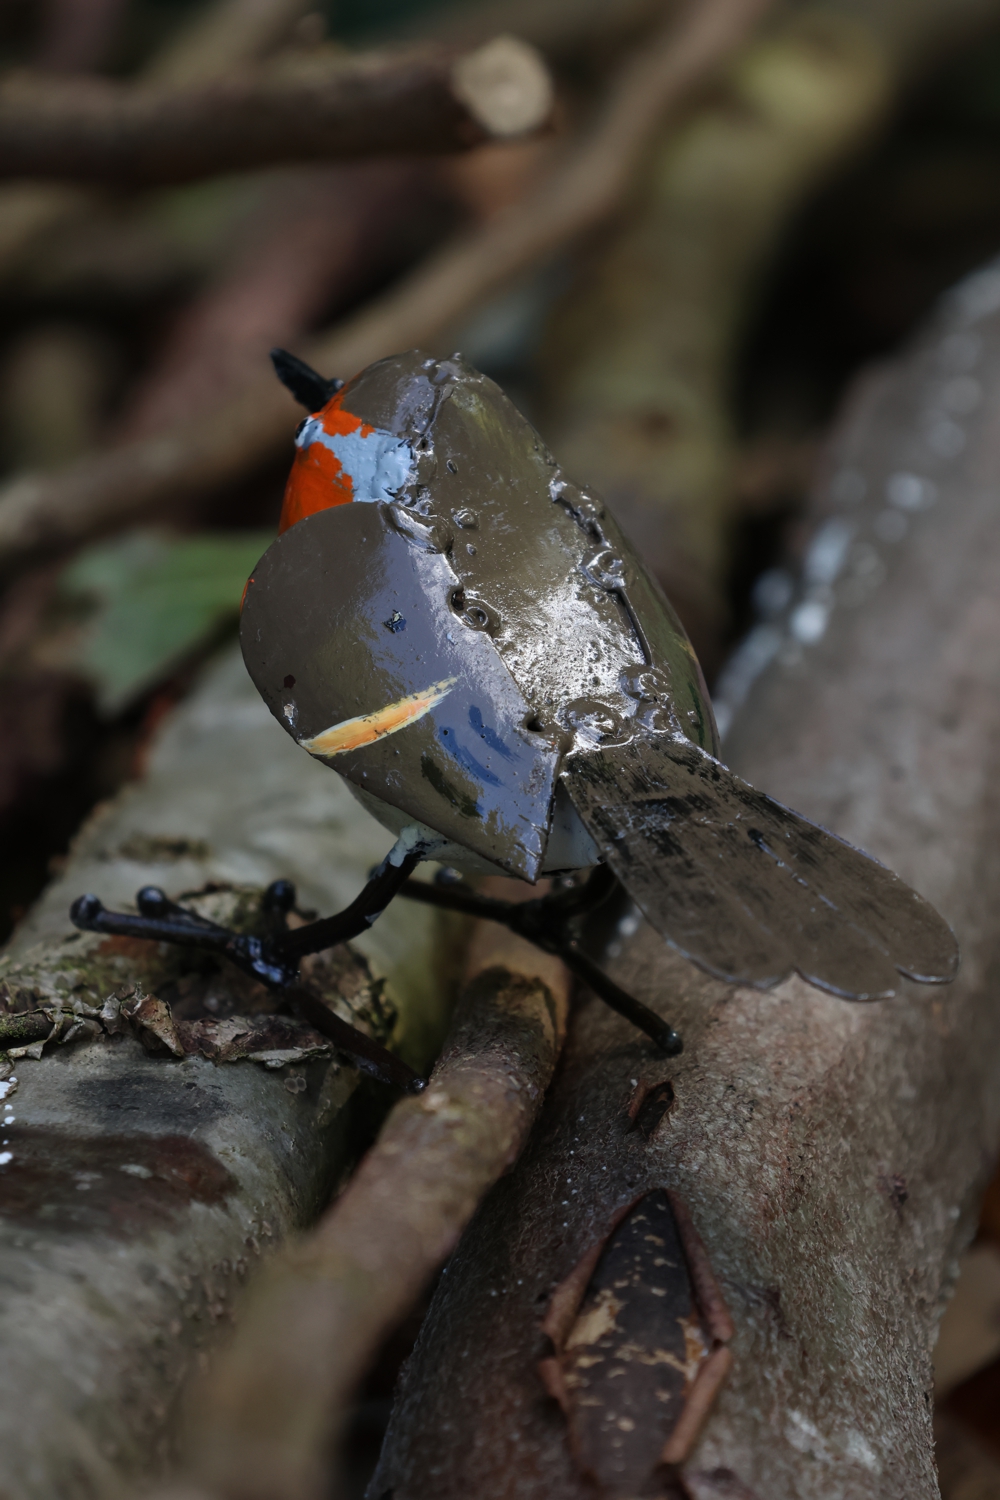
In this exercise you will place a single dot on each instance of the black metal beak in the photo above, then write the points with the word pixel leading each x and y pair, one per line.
pixel 308 388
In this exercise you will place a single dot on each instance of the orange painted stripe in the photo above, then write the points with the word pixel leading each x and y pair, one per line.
pixel 364 730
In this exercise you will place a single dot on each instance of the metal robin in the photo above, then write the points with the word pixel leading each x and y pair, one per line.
pixel 468 639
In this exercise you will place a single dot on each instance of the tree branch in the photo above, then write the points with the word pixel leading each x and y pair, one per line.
pixel 261 1426
pixel 314 107
pixel 222 36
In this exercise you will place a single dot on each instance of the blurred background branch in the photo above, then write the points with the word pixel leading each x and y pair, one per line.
pixel 131 481
pixel 317 105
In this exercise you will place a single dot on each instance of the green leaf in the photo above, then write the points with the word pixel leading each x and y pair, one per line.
pixel 155 598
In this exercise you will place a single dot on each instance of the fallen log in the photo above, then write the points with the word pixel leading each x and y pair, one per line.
pixel 830 1155
pixel 163 1128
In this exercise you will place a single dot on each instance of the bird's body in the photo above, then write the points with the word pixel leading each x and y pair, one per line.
pixel 466 636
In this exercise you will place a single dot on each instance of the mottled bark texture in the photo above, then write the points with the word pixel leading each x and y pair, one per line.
pixel 262 1425
pixel 304 107
pixel 140 1180
pixel 830 1154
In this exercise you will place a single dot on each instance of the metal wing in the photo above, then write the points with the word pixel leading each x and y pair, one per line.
pixel 746 888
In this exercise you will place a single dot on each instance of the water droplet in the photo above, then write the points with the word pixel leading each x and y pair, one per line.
pixel 910 491
pixel 961 395
pixel 959 352
pixel 772 593
pixel 827 551
pixel 808 621
pixel 943 436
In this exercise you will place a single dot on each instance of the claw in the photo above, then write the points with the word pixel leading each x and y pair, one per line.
pixel 548 923
pixel 152 902
pixel 85 912
pixel 272 960
pixel 279 896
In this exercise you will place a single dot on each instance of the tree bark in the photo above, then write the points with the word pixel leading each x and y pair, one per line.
pixel 831 1155
pixel 138 1186
pixel 262 1426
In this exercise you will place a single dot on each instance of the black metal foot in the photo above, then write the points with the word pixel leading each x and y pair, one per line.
pixel 274 958
pixel 548 922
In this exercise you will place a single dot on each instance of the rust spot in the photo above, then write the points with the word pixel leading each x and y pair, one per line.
pixel 112 1185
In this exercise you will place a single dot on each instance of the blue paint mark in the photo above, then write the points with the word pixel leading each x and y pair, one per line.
pixel 489 735
pixel 378 463
pixel 467 760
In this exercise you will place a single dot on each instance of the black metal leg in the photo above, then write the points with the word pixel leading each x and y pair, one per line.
pixel 274 959
pixel 385 883
pixel 548 922
pixel 660 1031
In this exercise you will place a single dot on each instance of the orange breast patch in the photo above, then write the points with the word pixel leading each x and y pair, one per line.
pixel 318 480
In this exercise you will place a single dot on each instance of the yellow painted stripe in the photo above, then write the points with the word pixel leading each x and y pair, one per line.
pixel 364 730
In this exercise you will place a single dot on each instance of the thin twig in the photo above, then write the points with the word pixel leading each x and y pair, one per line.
pixel 313 106
pixel 117 485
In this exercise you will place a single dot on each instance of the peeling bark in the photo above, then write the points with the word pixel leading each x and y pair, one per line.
pixel 139 1179
pixel 830 1154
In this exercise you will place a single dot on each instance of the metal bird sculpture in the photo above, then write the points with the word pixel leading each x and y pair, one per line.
pixel 467 638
